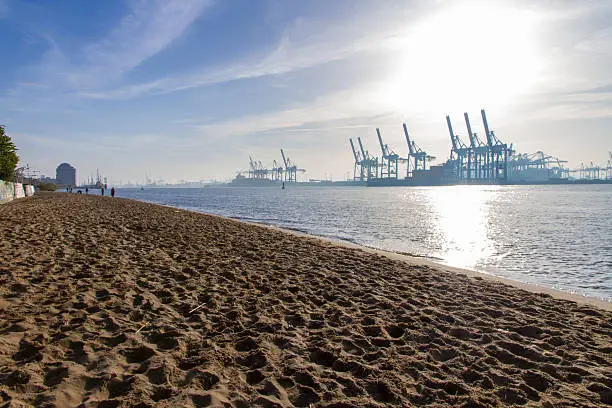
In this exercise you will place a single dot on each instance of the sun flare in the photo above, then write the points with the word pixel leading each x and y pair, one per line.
pixel 465 56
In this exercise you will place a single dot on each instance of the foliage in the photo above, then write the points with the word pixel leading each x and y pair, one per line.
pixel 47 187
pixel 8 156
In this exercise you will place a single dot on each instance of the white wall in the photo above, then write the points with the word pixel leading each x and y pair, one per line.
pixel 19 191
pixel 7 191
pixel 10 191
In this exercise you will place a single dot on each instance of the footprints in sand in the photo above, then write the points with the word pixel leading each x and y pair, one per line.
pixel 178 309
pixel 138 354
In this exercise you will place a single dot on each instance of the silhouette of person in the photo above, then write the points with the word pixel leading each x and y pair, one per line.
pixel 86 190
pixel 102 191
pixel 112 191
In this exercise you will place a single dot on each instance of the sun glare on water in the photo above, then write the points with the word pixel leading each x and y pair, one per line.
pixel 464 57
pixel 461 217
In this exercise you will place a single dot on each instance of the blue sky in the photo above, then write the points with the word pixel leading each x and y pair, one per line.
pixel 189 89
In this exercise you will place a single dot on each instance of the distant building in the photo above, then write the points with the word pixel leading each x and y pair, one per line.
pixel 45 179
pixel 66 175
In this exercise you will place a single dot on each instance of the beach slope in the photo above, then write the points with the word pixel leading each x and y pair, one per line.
pixel 117 303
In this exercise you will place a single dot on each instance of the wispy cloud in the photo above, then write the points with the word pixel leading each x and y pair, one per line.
pixel 339 110
pixel 303 44
pixel 147 29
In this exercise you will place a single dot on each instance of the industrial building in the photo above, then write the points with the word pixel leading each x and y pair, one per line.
pixel 65 175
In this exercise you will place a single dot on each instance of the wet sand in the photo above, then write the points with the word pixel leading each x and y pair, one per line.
pixel 112 302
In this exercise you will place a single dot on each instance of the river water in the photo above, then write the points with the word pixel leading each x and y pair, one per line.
pixel 553 236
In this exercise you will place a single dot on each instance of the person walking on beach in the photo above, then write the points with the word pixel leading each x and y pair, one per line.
pixel 102 191
pixel 112 191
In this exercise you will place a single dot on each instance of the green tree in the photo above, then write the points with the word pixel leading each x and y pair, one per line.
pixel 8 156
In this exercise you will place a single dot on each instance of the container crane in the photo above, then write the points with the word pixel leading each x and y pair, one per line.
pixel 478 159
pixel 389 168
pixel 358 163
pixel 420 157
pixel 370 163
pixel 499 152
pixel 291 169
pixel 410 152
pixel 277 171
pixel 537 166
pixel 254 170
pixel 460 152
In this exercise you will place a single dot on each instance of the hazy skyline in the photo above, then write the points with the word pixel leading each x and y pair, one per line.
pixel 189 89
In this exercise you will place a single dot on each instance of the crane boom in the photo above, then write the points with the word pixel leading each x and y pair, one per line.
pixel 354 151
pixel 284 159
pixel 361 147
pixel 382 145
pixel 450 130
pixel 410 148
pixel 486 126
pixel 469 129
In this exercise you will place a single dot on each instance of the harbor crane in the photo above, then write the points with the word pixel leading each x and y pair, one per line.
pixel 358 163
pixel 390 159
pixel 256 169
pixel 370 162
pixel 499 152
pixel 460 152
pixel 277 171
pixel 478 159
pixel 419 156
pixel 291 169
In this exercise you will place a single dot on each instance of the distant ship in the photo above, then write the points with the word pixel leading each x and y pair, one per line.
pixel 241 180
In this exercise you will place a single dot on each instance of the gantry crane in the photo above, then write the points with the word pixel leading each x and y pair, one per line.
pixel 358 163
pixel 256 169
pixel 390 159
pixel 277 171
pixel 291 169
pixel 478 159
pixel 499 153
pixel 460 152
pixel 419 156
pixel 370 162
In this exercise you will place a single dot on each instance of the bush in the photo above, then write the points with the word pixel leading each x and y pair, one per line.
pixel 47 187
pixel 8 156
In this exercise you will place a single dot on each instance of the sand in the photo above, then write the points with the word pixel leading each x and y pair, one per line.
pixel 116 303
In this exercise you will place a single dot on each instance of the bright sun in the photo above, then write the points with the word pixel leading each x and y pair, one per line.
pixel 464 57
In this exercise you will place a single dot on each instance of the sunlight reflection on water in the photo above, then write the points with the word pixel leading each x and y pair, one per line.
pixel 461 219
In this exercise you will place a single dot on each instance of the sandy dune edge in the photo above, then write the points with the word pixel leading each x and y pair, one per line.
pixel 109 302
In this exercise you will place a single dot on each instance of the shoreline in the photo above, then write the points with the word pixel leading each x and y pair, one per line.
pixel 530 287
pixel 115 302
pixel 426 261
pixel 421 260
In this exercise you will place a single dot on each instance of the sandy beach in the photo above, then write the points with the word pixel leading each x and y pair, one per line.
pixel 117 303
